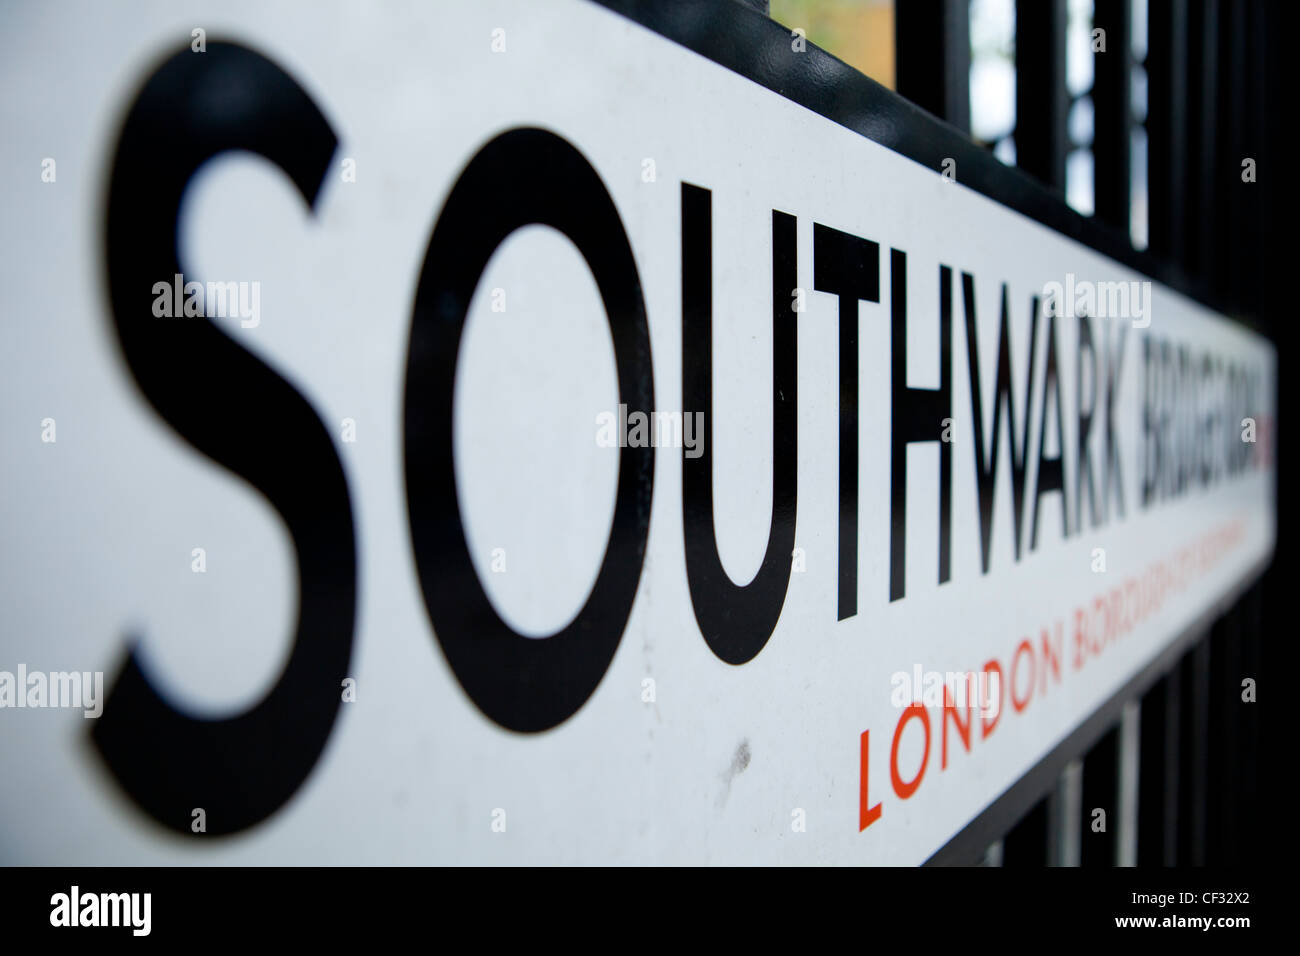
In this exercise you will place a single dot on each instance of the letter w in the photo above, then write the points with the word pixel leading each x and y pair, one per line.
pixel 986 463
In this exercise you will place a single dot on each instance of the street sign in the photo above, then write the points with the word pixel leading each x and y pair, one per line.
pixel 497 433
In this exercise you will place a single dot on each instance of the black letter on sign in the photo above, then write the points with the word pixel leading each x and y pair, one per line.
pixel 919 415
pixel 848 267
pixel 986 462
pixel 1051 471
pixel 239 769
pixel 523 177
pixel 736 620
pixel 1113 474
pixel 1086 411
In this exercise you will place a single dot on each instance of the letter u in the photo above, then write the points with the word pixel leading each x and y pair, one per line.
pixel 736 619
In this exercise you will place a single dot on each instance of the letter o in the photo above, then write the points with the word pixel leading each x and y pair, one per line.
pixel 902 788
pixel 522 177
pixel 1024 647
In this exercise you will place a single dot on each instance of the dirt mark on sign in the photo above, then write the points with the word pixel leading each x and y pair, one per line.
pixel 739 761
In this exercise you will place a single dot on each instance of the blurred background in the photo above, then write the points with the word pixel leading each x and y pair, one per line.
pixel 1206 58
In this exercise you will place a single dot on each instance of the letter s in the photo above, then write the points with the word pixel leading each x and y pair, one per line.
pixel 241 768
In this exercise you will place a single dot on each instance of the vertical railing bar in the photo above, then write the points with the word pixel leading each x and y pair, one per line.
pixel 1129 759
pixel 932 57
pixel 1199 770
pixel 1100 793
pixel 1229 776
pixel 1248 280
pixel 1042 100
pixel 1151 787
pixel 1112 99
pixel 1226 185
pixel 1064 815
pixel 1167 127
pixel 1250 665
pixel 1202 114
pixel 1173 748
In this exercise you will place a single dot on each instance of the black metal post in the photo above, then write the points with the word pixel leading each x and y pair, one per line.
pixel 1112 97
pixel 1042 101
pixel 932 53
pixel 1167 125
